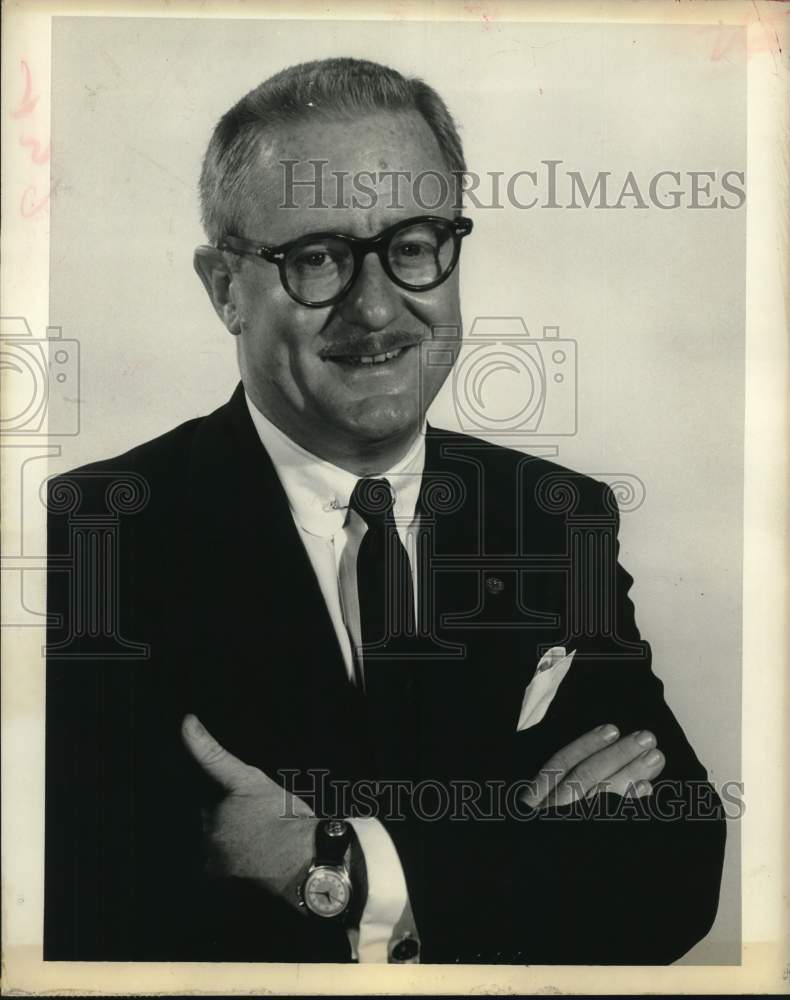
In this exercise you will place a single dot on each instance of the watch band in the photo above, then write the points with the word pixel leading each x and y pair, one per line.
pixel 332 841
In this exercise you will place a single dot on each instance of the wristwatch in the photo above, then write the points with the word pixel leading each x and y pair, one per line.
pixel 326 890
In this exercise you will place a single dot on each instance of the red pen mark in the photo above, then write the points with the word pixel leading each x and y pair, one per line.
pixel 31 203
pixel 39 155
pixel 28 206
pixel 487 12
pixel 28 103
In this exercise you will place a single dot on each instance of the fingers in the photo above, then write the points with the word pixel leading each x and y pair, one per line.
pixel 635 777
pixel 616 769
pixel 230 772
pixel 597 761
pixel 566 759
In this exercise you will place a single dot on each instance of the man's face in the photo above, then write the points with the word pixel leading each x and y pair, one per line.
pixel 297 362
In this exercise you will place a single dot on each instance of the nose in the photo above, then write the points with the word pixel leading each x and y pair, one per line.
pixel 373 301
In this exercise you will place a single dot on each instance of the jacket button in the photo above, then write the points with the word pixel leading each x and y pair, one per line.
pixel 405 949
pixel 494 585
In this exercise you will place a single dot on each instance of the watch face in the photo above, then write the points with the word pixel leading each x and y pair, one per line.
pixel 327 891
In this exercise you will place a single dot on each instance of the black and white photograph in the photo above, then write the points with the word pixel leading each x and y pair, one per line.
pixel 381 474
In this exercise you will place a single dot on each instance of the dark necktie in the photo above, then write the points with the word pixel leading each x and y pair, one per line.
pixel 386 609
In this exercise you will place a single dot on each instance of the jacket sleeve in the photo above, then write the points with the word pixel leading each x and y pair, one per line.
pixel 606 881
pixel 628 881
pixel 124 865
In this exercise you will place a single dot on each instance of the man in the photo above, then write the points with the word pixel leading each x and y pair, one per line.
pixel 329 684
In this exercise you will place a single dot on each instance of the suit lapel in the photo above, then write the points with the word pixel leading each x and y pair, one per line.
pixel 271 676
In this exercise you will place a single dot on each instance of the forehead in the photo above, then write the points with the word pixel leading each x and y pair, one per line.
pixel 340 175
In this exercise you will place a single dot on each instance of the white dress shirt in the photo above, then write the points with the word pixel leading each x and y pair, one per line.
pixel 318 494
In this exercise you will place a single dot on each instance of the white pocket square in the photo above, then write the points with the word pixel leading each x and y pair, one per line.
pixel 551 670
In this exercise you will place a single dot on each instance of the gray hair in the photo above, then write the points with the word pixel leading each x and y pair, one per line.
pixel 326 88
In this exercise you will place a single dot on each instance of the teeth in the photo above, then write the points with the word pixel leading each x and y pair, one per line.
pixel 374 359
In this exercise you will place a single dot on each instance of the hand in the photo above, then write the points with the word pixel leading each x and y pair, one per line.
pixel 597 762
pixel 256 830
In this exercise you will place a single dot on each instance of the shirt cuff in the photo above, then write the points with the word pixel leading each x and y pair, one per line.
pixel 387 904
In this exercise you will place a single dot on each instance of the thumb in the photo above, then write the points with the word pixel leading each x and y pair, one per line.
pixel 214 759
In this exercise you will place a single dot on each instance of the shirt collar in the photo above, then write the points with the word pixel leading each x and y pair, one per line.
pixel 318 492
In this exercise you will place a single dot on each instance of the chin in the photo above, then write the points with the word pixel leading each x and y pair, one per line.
pixel 384 421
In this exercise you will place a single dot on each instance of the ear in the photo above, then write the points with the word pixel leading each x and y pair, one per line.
pixel 217 278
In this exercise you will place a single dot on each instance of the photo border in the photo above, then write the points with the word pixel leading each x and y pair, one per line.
pixel 25 289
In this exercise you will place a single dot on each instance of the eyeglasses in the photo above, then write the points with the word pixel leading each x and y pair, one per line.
pixel 318 269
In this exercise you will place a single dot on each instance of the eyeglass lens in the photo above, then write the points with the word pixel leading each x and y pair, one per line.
pixel 418 255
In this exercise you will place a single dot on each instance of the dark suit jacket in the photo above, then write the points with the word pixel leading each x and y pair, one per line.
pixel 178 583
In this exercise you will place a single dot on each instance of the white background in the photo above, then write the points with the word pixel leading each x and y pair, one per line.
pixel 655 300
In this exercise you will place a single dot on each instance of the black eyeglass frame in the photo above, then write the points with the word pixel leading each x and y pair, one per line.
pixel 360 247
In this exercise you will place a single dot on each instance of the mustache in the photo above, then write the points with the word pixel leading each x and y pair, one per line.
pixel 371 344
